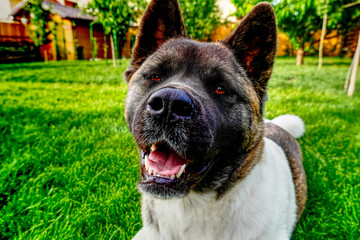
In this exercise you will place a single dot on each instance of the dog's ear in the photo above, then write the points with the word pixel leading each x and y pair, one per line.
pixel 161 21
pixel 254 44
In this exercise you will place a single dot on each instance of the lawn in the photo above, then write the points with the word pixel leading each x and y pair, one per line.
pixel 69 165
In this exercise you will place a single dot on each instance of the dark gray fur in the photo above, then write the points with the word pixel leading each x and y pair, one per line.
pixel 224 129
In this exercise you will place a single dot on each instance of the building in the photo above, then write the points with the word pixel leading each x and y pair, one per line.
pixel 75 36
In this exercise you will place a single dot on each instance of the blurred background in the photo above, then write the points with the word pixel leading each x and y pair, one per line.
pixel 50 30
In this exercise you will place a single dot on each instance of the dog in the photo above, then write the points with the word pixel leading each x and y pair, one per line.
pixel 211 167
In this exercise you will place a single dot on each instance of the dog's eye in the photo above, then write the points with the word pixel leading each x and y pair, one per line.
pixel 220 90
pixel 155 77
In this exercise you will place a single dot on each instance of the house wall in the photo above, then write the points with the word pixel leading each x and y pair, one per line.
pixel 15 43
pixel 73 40
pixel 64 37
pixel 102 41
pixel 69 39
pixel 60 40
pixel 13 32
pixel 82 30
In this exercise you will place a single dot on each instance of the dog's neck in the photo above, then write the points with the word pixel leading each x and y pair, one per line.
pixel 242 160
pixel 248 159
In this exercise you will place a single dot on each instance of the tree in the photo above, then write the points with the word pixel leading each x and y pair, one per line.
pixel 115 16
pixel 298 19
pixel 201 18
pixel 244 6
pixel 343 17
pixel 39 23
pixel 301 19
pixel 323 33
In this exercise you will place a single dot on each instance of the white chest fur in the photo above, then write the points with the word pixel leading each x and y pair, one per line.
pixel 261 206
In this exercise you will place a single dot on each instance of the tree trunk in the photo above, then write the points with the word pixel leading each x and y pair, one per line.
pixel 115 42
pixel 347 82
pixel 355 65
pixel 45 55
pixel 112 50
pixel 321 45
pixel 300 57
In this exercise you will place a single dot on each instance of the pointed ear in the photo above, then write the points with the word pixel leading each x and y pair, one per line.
pixel 160 22
pixel 254 44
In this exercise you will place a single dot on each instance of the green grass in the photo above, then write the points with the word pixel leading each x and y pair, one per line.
pixel 69 165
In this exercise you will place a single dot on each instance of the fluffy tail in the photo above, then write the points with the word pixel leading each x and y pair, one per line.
pixel 291 123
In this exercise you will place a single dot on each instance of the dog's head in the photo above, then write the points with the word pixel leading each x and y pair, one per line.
pixel 195 109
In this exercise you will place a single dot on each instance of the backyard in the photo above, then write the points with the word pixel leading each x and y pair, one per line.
pixel 69 166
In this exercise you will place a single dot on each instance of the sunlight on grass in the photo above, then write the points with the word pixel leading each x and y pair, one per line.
pixel 330 145
pixel 69 166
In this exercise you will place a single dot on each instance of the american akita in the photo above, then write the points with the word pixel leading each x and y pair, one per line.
pixel 211 168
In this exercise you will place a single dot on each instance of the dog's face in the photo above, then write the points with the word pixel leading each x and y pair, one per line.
pixel 195 109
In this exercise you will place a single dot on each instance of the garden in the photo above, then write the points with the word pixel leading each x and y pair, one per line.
pixel 69 166
pixel 68 163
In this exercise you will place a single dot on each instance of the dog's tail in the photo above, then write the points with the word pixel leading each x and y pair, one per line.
pixel 291 123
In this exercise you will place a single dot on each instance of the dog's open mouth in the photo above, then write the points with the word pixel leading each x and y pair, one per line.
pixel 166 173
pixel 162 161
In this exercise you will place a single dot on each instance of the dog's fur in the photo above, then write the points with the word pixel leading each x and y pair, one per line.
pixel 202 105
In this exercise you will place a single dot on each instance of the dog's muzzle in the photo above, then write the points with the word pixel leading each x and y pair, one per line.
pixel 174 135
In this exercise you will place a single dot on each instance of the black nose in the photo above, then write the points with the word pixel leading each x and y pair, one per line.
pixel 170 103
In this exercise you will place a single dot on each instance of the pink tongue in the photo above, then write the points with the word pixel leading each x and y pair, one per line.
pixel 165 164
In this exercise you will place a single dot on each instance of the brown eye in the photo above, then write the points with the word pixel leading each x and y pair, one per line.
pixel 220 90
pixel 156 78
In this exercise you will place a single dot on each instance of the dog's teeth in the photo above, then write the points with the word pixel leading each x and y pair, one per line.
pixel 147 162
pixel 181 170
pixel 172 177
pixel 155 173
pixel 153 147
pixel 150 171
